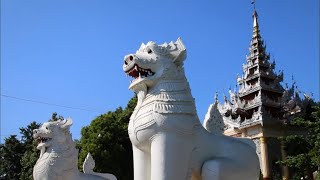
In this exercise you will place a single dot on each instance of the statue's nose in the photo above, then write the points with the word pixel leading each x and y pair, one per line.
pixel 128 59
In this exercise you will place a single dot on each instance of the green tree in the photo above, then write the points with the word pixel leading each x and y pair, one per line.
pixel 11 153
pixel 304 150
pixel 106 138
pixel 31 153
pixel 56 117
pixel 27 135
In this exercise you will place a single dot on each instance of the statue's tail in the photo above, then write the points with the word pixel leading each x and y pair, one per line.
pixel 88 166
pixel 213 121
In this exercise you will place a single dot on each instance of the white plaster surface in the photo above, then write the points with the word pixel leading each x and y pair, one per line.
pixel 59 157
pixel 169 142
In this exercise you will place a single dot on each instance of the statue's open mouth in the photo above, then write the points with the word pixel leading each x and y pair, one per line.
pixel 138 72
pixel 42 140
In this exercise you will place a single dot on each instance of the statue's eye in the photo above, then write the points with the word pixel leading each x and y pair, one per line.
pixel 149 51
pixel 47 128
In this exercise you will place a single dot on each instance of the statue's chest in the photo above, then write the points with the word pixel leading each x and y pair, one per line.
pixel 143 115
pixel 54 165
pixel 160 104
pixel 44 167
pixel 164 103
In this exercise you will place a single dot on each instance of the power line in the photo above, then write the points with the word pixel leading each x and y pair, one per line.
pixel 46 103
pixel 7 135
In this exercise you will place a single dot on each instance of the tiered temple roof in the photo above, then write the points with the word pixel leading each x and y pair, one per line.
pixel 260 107
pixel 261 99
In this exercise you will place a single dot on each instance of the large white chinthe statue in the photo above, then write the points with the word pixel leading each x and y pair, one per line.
pixel 169 142
pixel 59 157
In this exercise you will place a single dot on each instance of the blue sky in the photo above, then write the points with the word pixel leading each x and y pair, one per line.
pixel 70 52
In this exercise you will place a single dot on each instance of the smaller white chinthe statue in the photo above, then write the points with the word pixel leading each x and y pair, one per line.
pixel 59 157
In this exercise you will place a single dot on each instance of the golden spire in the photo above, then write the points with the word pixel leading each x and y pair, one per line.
pixel 255 20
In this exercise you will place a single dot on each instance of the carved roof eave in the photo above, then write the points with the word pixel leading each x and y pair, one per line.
pixel 227 121
pixel 260 63
pixel 251 77
pixel 257 104
pixel 256 75
pixel 239 126
pixel 249 91
pixel 244 126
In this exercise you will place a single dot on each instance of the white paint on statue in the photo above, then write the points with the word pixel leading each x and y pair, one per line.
pixel 169 142
pixel 59 157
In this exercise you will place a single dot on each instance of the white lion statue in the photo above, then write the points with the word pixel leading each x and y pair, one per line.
pixel 58 156
pixel 169 142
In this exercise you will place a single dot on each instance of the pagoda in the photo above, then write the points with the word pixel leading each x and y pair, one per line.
pixel 261 107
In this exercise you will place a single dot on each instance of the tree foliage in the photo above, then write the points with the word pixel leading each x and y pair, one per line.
pixel 31 153
pixel 56 117
pixel 11 152
pixel 28 161
pixel 304 150
pixel 106 138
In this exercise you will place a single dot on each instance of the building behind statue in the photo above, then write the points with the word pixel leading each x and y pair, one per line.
pixel 261 107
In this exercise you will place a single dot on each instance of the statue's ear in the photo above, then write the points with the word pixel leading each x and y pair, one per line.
pixel 142 47
pixel 180 53
pixel 65 124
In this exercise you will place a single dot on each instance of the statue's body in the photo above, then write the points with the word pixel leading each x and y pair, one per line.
pixel 59 158
pixel 169 142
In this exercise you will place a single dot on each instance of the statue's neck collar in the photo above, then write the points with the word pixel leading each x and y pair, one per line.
pixel 169 85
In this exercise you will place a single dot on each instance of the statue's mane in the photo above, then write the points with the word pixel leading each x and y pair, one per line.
pixel 175 51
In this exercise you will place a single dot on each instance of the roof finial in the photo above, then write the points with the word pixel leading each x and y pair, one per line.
pixel 254 4
pixel 216 97
pixel 255 18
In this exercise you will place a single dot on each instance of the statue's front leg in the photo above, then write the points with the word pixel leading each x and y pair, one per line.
pixel 170 157
pixel 141 164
